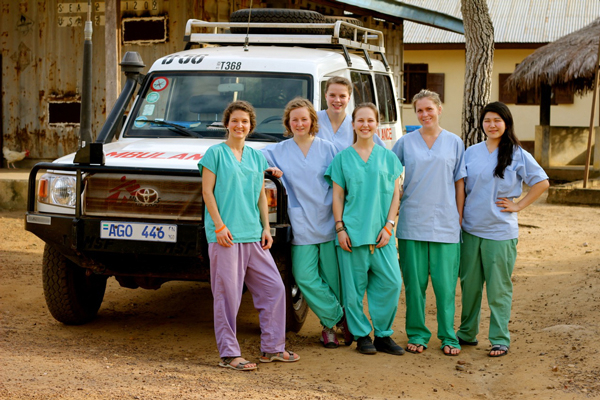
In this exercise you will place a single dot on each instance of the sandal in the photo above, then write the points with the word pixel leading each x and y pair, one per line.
pixel 270 357
pixel 498 347
pixel 241 366
pixel 417 350
pixel 450 348
pixel 328 338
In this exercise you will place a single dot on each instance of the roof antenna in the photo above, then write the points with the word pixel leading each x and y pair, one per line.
pixel 248 29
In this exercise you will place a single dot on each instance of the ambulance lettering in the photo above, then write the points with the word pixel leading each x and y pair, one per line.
pixel 155 155
pixel 384 133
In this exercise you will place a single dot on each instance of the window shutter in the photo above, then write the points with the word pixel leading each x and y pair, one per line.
pixel 504 95
pixel 563 95
pixel 435 82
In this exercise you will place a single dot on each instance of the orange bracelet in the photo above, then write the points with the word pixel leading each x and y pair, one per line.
pixel 220 229
pixel 387 230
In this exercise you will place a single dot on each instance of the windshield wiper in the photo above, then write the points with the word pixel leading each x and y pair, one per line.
pixel 176 127
pixel 218 126
pixel 265 136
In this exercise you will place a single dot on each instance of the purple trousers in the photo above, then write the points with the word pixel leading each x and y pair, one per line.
pixel 230 268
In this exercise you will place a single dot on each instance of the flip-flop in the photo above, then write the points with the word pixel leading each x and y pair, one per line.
pixel 416 351
pixel 450 353
pixel 270 357
pixel 498 347
pixel 226 363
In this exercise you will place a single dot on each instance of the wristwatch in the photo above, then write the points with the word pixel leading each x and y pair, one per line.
pixel 392 222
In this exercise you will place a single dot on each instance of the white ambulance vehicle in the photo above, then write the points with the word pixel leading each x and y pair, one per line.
pixel 134 210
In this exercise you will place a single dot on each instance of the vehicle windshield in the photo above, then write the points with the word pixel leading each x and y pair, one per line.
pixel 192 104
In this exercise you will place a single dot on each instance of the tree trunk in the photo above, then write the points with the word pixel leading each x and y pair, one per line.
pixel 479 59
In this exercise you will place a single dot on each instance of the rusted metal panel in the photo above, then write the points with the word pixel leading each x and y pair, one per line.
pixel 42 56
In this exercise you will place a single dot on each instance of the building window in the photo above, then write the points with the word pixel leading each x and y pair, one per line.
pixel 532 96
pixel 418 77
pixel 64 112
pixel 145 30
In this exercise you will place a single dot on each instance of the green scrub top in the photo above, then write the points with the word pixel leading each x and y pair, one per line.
pixel 369 189
pixel 237 188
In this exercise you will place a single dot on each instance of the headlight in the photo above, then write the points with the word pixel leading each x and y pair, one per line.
pixel 271 192
pixel 57 190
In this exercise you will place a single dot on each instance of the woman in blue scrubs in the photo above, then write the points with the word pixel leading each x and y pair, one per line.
pixel 496 170
pixel 429 222
pixel 366 194
pixel 303 161
pixel 335 125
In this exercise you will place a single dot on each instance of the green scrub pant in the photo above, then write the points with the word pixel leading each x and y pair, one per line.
pixel 377 274
pixel 419 260
pixel 315 268
pixel 492 262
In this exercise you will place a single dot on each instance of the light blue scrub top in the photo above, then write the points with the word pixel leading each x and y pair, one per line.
pixel 482 217
pixel 428 206
pixel 309 196
pixel 344 137
pixel 237 188
pixel 369 189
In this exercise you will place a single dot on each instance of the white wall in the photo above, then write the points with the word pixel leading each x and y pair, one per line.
pixel 452 64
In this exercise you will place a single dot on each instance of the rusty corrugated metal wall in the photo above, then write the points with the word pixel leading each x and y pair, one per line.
pixel 42 48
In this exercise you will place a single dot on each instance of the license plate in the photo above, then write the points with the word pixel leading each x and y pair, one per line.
pixel 138 231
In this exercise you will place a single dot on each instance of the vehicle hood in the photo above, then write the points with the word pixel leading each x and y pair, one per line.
pixel 177 153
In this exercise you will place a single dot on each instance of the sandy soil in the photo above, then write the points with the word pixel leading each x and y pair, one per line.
pixel 160 344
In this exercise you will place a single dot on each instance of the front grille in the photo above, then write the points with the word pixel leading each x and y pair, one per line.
pixel 143 196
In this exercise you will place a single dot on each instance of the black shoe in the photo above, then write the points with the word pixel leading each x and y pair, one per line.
pixel 465 343
pixel 387 345
pixel 364 345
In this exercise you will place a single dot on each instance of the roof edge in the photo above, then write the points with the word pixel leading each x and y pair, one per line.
pixel 411 13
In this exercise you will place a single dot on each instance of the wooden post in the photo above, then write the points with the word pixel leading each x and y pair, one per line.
pixel 545 102
pixel 112 45
pixel 589 144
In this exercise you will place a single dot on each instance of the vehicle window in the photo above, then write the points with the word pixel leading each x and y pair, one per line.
pixel 323 97
pixel 363 88
pixel 192 104
pixel 385 99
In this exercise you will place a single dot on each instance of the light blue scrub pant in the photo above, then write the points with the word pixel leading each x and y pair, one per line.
pixel 379 275
pixel 492 262
pixel 315 268
pixel 419 260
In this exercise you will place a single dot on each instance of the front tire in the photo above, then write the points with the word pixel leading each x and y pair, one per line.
pixel 72 296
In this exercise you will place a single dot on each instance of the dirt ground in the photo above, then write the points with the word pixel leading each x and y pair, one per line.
pixel 160 344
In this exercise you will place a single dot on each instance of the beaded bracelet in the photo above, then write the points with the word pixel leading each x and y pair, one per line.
pixel 338 230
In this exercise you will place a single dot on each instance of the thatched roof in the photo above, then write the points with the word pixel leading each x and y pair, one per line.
pixel 568 62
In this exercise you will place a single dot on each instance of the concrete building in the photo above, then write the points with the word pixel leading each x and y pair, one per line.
pixel 520 26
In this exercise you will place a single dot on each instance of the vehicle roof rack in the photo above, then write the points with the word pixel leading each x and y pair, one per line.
pixel 363 40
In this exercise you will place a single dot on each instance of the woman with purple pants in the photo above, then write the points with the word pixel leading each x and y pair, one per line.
pixel 238 234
